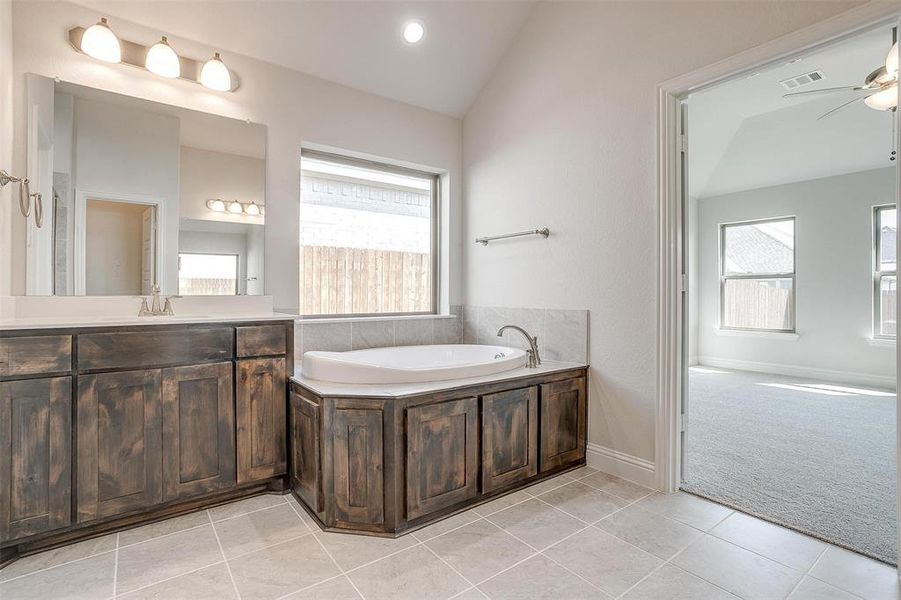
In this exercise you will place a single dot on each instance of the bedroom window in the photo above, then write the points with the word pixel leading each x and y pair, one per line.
pixel 757 275
pixel 207 274
pixel 885 271
pixel 368 238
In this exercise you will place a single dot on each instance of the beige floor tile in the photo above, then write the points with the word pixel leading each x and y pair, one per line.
pixel 583 502
pixel 150 562
pixel 549 484
pixel 259 529
pixel 58 556
pixel 87 579
pixel 210 583
pixel 691 510
pixel 282 569
pixel 606 561
pixel 539 578
pixel 502 503
pixel 471 594
pixel 778 543
pixel 651 532
pixel 352 551
pixel 160 528
pixel 536 523
pixel 479 550
pixel 616 486
pixel 338 588
pixel 737 570
pixel 242 507
pixel 445 525
pixel 303 514
pixel 857 574
pixel 675 584
pixel 581 472
pixel 413 574
pixel 814 589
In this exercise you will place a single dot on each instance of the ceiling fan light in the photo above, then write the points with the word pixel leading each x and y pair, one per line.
pixel 885 99
pixel 235 208
pixel 162 60
pixel 891 61
pixel 99 41
pixel 215 75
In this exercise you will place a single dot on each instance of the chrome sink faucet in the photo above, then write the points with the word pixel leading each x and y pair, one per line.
pixel 155 310
pixel 534 355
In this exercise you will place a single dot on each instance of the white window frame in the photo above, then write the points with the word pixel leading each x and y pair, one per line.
pixel 878 274
pixel 237 267
pixel 724 277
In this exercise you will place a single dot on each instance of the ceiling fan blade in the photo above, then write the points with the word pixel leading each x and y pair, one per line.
pixel 839 107
pixel 847 88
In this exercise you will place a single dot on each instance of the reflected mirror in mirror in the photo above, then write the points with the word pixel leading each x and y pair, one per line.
pixel 138 193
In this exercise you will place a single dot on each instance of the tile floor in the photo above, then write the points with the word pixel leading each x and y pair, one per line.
pixel 583 535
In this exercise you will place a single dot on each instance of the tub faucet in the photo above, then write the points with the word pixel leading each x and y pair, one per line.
pixel 534 355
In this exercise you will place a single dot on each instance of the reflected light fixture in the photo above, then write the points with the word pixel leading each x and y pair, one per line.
pixel 235 208
pixel 99 41
pixel 252 209
pixel 414 31
pixel 885 99
pixel 162 60
pixel 215 75
pixel 216 205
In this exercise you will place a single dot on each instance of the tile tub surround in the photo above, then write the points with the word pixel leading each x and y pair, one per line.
pixel 562 334
pixel 632 547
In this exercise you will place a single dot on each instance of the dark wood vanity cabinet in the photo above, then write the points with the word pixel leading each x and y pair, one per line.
pixel 509 437
pixel 260 418
pixel 358 465
pixel 306 468
pixel 564 423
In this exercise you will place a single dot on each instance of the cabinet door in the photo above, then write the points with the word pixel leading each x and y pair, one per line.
pixel 198 430
pixel 261 411
pixel 442 455
pixel 563 423
pixel 119 457
pixel 509 437
pixel 35 456
pixel 359 480
pixel 306 479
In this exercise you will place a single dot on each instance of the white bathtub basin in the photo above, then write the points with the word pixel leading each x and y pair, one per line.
pixel 411 364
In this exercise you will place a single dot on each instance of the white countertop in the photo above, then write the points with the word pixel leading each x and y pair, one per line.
pixel 63 322
pixel 394 390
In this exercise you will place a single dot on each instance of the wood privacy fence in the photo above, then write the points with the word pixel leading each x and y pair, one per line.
pixel 749 303
pixel 358 280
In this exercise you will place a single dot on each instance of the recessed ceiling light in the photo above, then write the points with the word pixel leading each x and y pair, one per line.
pixel 414 31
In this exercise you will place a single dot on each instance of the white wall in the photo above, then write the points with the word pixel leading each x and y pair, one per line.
pixel 834 280
pixel 6 143
pixel 206 174
pixel 297 109
pixel 112 248
pixel 563 136
pixel 218 243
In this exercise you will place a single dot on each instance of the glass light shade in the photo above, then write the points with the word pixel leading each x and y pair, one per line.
pixel 235 208
pixel 216 205
pixel 162 60
pixel 252 209
pixel 100 42
pixel 414 31
pixel 886 99
pixel 891 61
pixel 215 75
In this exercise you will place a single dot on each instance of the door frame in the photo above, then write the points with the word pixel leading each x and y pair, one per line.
pixel 671 294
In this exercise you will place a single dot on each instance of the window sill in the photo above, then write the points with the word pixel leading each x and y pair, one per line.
pixel 784 336
pixel 881 342
pixel 372 319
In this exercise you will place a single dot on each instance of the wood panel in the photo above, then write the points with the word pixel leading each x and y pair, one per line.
pixel 261 340
pixel 509 437
pixel 35 456
pixel 442 455
pixel 198 430
pixel 306 470
pixel 358 464
pixel 563 423
pixel 128 349
pixel 34 355
pixel 119 456
pixel 261 412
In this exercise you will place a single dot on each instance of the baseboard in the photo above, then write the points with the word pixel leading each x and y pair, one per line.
pixel 623 465
pixel 799 371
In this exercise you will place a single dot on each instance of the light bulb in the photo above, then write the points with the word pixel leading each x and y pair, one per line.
pixel 235 208
pixel 414 31
pixel 215 75
pixel 885 99
pixel 252 209
pixel 162 60
pixel 891 61
pixel 100 42
pixel 216 205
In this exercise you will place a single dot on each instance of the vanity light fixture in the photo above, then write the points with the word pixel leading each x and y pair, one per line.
pixel 216 205
pixel 235 208
pixel 215 75
pixel 414 31
pixel 162 60
pixel 252 209
pixel 100 42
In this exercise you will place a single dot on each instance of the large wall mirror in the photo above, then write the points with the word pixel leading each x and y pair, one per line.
pixel 137 193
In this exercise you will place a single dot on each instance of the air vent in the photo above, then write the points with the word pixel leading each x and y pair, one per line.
pixel 800 81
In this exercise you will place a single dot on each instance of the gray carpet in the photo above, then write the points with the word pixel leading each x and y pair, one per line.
pixel 820 463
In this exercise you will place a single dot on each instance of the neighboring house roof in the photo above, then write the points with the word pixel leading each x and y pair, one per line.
pixel 752 250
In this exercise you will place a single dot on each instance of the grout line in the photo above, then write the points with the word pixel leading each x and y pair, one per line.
pixel 159 537
pixel 819 556
pixel 249 512
pixel 340 568
pixel 170 578
pixel 514 565
pixel 228 568
pixel 116 567
pixel 450 566
pixel 62 564
pixel 268 546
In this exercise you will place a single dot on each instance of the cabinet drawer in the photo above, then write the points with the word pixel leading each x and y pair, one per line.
pixel 35 355
pixel 154 348
pixel 264 340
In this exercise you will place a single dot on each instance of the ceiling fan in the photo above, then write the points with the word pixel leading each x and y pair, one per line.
pixel 880 87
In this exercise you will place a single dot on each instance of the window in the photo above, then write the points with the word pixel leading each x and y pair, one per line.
pixel 207 274
pixel 885 272
pixel 368 238
pixel 757 275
